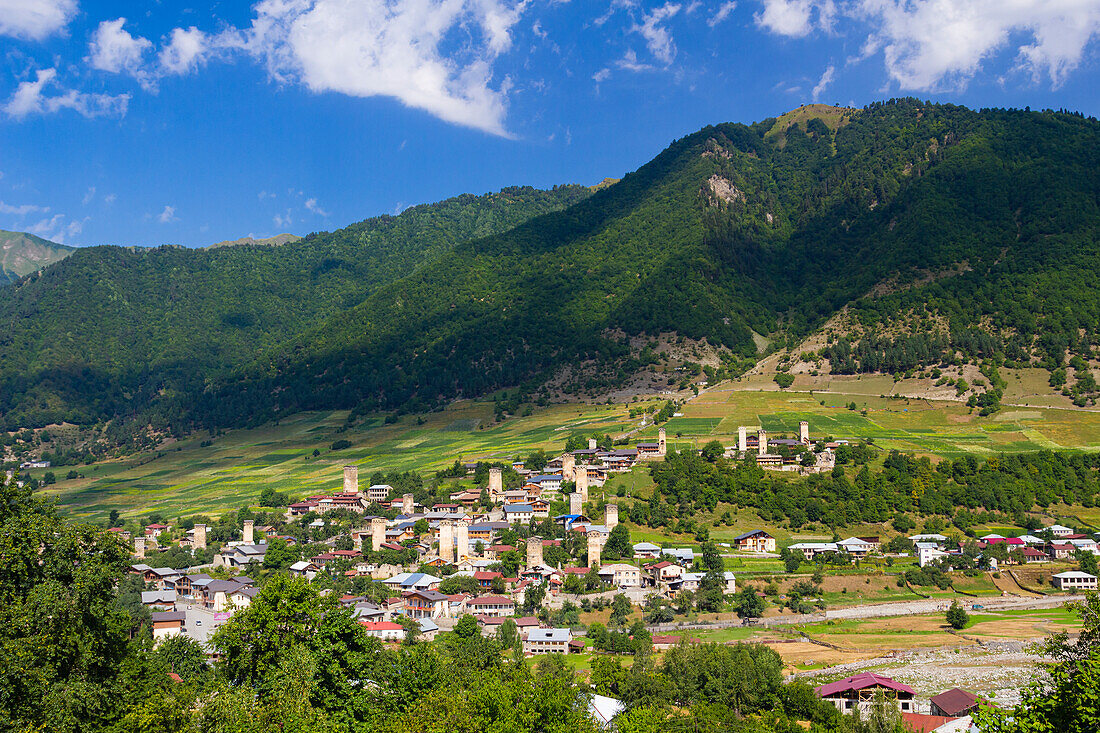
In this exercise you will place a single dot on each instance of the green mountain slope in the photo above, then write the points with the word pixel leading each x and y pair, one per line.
pixel 22 254
pixel 730 230
pixel 110 331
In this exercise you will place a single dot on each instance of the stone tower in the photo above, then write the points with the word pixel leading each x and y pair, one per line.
pixel 743 439
pixel 534 552
pixel 462 539
pixel 377 533
pixel 576 504
pixel 351 480
pixel 407 505
pixel 611 518
pixel 762 442
pixel 139 548
pixel 200 537
pixel 804 432
pixel 580 477
pixel 447 541
pixel 595 548
pixel 591 444
pixel 249 532
pixel 496 483
pixel 568 461
pixel 662 444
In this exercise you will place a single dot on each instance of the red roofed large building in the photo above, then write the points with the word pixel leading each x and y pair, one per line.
pixel 859 691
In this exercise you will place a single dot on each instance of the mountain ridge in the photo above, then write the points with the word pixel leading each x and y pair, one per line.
pixel 22 253
pixel 729 234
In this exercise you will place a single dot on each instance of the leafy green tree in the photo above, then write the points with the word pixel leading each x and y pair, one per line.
pixel 620 609
pixel 713 450
pixel 279 555
pixel 747 604
pixel 957 616
pixel 182 655
pixel 466 627
pixel 1086 562
pixel 618 543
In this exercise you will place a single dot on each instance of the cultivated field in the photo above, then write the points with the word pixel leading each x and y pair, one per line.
pixel 189 478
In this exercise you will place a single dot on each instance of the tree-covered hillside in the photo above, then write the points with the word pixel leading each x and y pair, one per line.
pixel 954 233
pixel 110 331
pixel 731 230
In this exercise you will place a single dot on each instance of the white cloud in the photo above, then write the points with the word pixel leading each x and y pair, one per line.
pixel 311 204
pixel 113 49
pixel 722 13
pixel 110 198
pixel 22 209
pixel 657 38
pixel 282 222
pixel 825 80
pixel 35 19
pixel 602 75
pixel 433 56
pixel 940 44
pixel 185 51
pixel 629 62
pixel 57 229
pixel 29 99
pixel 794 17
pixel 88 196
pixel 168 215
pixel 936 45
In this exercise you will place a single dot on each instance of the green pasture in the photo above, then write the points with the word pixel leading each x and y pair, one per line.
pixel 187 478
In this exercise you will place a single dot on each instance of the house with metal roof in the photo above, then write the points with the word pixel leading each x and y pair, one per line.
pixel 547 641
pixel 859 692
pixel 756 540
pixel 413 581
pixel 954 703
pixel 1074 580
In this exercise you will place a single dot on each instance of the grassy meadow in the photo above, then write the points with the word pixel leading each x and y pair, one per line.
pixel 188 477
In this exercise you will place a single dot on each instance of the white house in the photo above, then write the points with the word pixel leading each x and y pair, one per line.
pixel 927 555
pixel 384 630
pixel 812 549
pixel 646 551
pixel 622 575
pixel 1059 531
pixel 856 547
pixel 518 513
pixel 1074 580
pixel 939 539
pixel 691 581
pixel 547 641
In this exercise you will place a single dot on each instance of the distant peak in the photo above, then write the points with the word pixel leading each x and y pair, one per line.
pixel 275 241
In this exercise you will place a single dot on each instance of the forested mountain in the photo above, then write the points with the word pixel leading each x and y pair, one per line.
pixel 22 253
pixel 770 228
pixel 960 234
pixel 114 331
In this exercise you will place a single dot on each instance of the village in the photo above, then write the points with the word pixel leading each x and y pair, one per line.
pixel 505 556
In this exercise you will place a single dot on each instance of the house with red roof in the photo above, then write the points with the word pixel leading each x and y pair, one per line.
pixel 954 703
pixel 858 692
pixel 384 630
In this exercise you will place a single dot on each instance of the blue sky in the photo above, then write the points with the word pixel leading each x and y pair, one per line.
pixel 145 123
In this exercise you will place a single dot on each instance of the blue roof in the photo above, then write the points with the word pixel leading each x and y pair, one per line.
pixel 545 477
pixel 518 508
